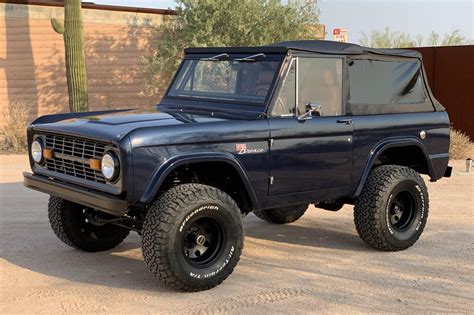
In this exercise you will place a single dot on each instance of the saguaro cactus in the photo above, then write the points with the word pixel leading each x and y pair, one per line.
pixel 73 34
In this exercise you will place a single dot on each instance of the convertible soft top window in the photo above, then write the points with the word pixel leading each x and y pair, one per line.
pixel 382 87
pixel 246 81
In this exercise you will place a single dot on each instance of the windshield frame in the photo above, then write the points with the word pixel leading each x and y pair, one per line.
pixel 280 58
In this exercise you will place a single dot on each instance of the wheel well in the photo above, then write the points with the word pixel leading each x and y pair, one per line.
pixel 411 156
pixel 220 175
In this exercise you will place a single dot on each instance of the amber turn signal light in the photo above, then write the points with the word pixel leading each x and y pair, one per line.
pixel 94 164
pixel 48 154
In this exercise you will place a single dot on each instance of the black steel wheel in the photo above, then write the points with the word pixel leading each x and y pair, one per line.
pixel 402 210
pixel 192 237
pixel 203 242
pixel 72 224
pixel 392 210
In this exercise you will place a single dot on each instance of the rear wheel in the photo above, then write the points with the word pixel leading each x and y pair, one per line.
pixel 282 215
pixel 192 237
pixel 392 210
pixel 73 226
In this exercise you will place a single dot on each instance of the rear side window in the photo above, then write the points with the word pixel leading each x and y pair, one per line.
pixel 378 87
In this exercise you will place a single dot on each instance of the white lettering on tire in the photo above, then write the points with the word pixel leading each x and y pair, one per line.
pixel 422 207
pixel 387 216
pixel 217 270
pixel 189 216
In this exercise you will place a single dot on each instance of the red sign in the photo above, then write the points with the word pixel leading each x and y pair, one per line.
pixel 339 35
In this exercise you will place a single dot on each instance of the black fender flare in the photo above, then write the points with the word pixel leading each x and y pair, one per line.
pixel 391 143
pixel 171 163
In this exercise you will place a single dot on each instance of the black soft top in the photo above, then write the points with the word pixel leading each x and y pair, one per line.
pixel 316 46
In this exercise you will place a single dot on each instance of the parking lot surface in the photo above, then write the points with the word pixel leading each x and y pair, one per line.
pixel 317 264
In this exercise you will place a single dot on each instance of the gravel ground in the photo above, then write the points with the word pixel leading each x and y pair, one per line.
pixel 317 264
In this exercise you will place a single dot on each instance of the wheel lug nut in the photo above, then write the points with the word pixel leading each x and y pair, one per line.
pixel 200 240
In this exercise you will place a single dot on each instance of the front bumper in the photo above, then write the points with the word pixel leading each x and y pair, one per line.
pixel 109 204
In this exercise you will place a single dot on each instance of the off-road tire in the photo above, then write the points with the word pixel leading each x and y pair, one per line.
pixel 70 225
pixel 166 231
pixel 374 216
pixel 282 215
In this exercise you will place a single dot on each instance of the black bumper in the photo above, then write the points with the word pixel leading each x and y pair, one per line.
pixel 109 204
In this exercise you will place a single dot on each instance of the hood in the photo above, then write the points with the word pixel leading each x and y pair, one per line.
pixel 113 125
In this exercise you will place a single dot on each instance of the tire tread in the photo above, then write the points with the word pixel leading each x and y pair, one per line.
pixel 160 220
pixel 369 207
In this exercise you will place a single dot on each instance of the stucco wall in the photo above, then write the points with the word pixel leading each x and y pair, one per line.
pixel 32 66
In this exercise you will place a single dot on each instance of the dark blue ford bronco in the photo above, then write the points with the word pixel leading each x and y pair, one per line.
pixel 268 130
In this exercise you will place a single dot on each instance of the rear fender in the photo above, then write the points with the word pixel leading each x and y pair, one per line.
pixel 392 143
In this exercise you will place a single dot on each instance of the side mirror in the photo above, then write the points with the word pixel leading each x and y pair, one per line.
pixel 312 109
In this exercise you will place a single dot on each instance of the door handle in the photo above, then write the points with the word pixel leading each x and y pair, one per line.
pixel 347 121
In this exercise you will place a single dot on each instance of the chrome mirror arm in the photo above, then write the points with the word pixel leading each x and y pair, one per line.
pixel 312 109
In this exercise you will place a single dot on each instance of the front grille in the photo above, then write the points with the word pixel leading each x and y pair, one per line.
pixel 72 156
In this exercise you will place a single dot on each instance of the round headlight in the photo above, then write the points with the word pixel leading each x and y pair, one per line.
pixel 110 166
pixel 37 150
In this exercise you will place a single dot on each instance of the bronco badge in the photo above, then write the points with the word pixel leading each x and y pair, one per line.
pixel 241 148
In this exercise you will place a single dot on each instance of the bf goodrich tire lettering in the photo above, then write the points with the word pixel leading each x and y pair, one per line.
pixel 176 230
pixel 375 216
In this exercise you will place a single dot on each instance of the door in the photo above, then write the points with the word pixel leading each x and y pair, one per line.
pixel 311 157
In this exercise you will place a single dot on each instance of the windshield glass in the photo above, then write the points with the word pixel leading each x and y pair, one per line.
pixel 227 80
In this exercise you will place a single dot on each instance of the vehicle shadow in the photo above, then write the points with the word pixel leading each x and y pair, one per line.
pixel 27 241
pixel 306 232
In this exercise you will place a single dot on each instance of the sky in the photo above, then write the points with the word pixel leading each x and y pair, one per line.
pixel 416 17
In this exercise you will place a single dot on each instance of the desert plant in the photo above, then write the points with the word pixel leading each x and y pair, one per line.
pixel 226 23
pixel 460 145
pixel 13 133
pixel 73 34
pixel 393 39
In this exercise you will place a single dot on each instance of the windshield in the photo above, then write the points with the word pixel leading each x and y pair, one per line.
pixel 227 80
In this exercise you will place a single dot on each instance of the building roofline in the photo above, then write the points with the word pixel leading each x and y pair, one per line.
pixel 94 6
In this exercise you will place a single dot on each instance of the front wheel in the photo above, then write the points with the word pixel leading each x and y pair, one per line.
pixel 392 210
pixel 73 226
pixel 192 237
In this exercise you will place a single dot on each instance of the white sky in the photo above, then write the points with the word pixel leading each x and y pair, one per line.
pixel 411 16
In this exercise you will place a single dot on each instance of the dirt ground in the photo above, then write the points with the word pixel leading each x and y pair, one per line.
pixel 317 264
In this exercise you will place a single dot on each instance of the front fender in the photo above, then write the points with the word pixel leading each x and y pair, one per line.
pixel 164 169
pixel 393 143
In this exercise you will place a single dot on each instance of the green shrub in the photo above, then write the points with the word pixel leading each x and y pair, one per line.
pixel 13 133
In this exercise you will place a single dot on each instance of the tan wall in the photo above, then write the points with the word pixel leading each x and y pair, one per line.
pixel 32 58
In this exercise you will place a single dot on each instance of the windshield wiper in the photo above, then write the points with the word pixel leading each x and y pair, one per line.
pixel 216 57
pixel 251 58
